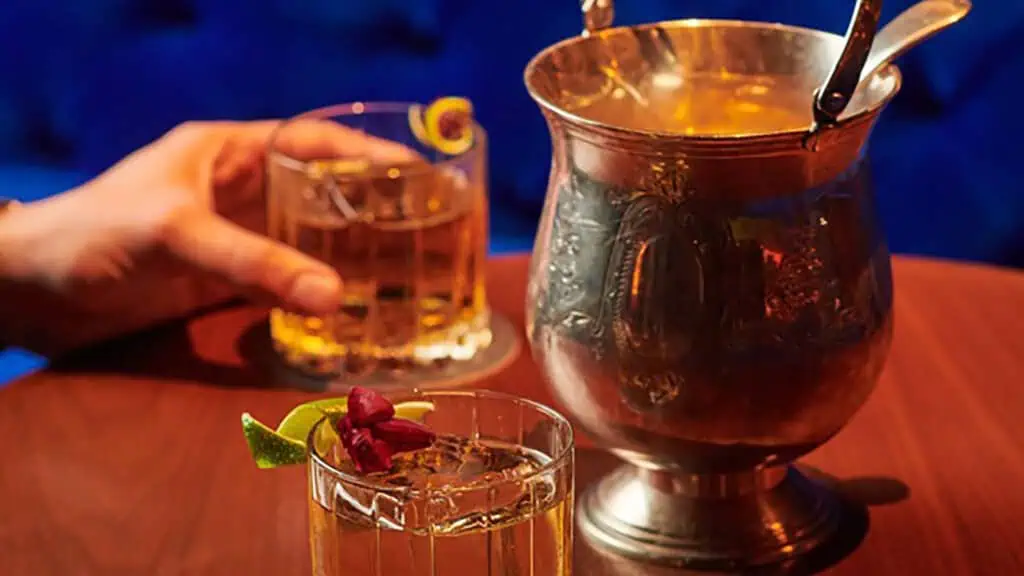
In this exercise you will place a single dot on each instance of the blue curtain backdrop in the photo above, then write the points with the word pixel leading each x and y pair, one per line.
pixel 83 82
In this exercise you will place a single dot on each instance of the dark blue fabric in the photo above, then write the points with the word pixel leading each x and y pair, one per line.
pixel 86 81
pixel 83 82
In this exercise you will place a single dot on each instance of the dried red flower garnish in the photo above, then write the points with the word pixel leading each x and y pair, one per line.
pixel 369 454
pixel 371 434
pixel 366 407
pixel 403 435
pixel 345 430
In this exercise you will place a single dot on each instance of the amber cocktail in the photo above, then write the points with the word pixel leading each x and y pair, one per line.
pixel 408 233
pixel 492 494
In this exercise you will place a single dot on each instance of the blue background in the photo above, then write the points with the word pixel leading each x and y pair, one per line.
pixel 83 82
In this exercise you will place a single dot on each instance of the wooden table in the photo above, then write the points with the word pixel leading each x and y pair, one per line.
pixel 129 458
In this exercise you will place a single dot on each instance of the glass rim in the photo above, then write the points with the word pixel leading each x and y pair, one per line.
pixel 557 460
pixel 360 108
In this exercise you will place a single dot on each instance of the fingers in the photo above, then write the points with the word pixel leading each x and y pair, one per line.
pixel 314 139
pixel 248 260
pixel 254 263
pixel 323 139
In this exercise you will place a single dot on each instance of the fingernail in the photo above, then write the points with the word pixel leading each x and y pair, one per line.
pixel 315 292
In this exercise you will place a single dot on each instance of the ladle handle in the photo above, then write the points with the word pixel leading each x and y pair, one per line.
pixel 834 95
pixel 913 26
pixel 597 15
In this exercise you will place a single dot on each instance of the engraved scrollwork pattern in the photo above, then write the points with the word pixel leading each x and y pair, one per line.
pixel 679 295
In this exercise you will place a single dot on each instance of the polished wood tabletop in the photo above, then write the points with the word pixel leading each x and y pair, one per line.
pixel 128 458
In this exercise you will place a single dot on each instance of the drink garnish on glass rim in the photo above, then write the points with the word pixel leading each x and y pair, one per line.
pixel 446 124
pixel 371 434
pixel 370 428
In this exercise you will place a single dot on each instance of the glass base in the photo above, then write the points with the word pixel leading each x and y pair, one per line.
pixel 391 373
pixel 320 347
pixel 716 522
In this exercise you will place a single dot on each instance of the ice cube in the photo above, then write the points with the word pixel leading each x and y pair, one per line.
pixel 383 510
pixel 389 511
pixel 441 507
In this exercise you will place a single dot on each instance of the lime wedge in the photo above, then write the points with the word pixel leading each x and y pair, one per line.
pixel 270 449
pixel 297 424
pixel 413 409
pixel 287 445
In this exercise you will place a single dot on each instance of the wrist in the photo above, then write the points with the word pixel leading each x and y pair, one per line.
pixel 7 206
pixel 23 301
pixel 25 228
pixel 9 242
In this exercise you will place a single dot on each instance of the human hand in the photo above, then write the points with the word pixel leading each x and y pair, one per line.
pixel 170 228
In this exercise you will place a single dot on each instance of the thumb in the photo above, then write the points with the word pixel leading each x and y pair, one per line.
pixel 255 263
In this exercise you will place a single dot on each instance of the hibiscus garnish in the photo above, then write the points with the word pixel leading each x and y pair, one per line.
pixel 345 431
pixel 371 434
pixel 369 454
pixel 366 407
pixel 404 435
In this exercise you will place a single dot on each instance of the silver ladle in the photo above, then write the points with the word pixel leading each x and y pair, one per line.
pixel 913 26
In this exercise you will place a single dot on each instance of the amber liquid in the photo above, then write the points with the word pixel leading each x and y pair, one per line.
pixel 411 262
pixel 521 527
pixel 706 106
